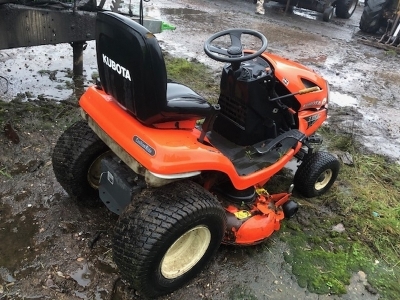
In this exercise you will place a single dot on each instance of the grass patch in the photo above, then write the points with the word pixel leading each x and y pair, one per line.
pixel 37 114
pixel 365 199
pixel 372 210
pixel 241 292
pixel 195 75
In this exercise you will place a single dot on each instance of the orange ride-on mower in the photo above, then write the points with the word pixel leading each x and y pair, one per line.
pixel 181 188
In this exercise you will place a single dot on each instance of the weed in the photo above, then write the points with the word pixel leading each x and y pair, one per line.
pixel 391 53
pixel 44 72
pixel 4 172
pixel 365 200
pixel 95 76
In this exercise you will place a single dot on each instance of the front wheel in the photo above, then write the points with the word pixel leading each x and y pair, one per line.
pixel 316 174
pixel 166 236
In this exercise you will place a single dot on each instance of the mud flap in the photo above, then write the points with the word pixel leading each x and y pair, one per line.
pixel 118 184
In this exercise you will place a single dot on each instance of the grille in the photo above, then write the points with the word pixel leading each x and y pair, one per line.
pixel 233 109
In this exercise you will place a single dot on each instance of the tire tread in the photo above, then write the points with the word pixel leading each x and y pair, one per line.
pixel 310 169
pixel 149 219
pixel 70 159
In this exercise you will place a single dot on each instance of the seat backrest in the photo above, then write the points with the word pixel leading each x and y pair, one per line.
pixel 131 65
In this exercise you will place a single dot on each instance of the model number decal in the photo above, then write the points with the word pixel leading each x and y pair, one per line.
pixel 144 145
pixel 312 119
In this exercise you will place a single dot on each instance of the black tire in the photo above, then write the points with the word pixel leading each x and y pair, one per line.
pixel 153 223
pixel 372 16
pixel 328 14
pixel 345 8
pixel 76 162
pixel 316 174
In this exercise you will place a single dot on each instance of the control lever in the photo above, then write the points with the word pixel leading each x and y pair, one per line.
pixel 301 92
pixel 287 108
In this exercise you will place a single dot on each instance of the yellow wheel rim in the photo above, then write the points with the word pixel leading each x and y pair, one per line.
pixel 323 180
pixel 186 252
pixel 94 172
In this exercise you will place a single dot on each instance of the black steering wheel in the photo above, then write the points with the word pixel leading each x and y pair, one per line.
pixel 234 53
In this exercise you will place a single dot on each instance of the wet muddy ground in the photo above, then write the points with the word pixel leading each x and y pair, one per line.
pixel 51 248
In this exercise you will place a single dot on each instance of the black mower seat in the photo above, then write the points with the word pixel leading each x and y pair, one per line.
pixel 183 101
pixel 132 70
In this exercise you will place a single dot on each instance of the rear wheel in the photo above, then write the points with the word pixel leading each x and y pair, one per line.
pixel 372 16
pixel 345 8
pixel 316 174
pixel 166 236
pixel 76 162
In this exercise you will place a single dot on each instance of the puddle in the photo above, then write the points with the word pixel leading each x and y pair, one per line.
pixel 28 167
pixel 376 129
pixel 16 236
pixel 43 70
pixel 181 11
pixel 187 14
pixel 292 166
pixel 312 15
pixel 101 294
pixel 82 275
pixel 6 275
pixel 81 295
pixel 105 267
pixel 342 99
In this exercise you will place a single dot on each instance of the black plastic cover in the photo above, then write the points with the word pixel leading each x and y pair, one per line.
pixel 118 184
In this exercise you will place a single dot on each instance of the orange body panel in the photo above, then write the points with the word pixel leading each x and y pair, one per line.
pixel 291 73
pixel 175 151
pixel 316 117
pixel 178 150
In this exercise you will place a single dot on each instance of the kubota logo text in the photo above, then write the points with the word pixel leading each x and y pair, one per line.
pixel 117 67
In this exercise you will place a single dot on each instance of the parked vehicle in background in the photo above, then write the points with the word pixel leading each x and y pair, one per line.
pixel 341 8
pixel 377 14
pixel 382 15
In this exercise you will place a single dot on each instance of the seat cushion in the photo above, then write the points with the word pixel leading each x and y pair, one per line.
pixel 183 102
